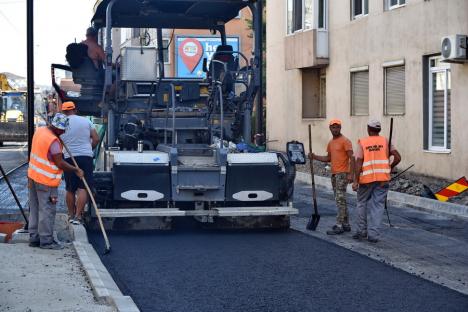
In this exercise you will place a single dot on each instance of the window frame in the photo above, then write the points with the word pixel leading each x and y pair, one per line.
pixel 168 40
pixel 321 109
pixel 395 6
pixel 385 67
pixel 323 100
pixel 315 17
pixel 325 15
pixel 351 73
pixel 359 16
pixel 445 68
pixel 293 18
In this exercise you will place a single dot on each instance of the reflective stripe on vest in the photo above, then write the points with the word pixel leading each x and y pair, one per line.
pixel 375 166
pixel 41 170
pixel 47 174
pixel 44 162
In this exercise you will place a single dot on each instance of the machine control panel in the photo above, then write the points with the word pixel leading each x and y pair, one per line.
pixel 296 154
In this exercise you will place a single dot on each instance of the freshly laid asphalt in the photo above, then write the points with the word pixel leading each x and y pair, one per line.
pixel 189 269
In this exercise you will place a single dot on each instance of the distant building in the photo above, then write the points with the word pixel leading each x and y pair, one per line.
pixel 361 59
pixel 238 35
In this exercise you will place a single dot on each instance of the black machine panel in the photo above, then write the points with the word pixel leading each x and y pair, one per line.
pixel 132 181
pixel 243 180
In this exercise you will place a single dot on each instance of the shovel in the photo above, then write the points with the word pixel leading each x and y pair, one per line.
pixel 315 218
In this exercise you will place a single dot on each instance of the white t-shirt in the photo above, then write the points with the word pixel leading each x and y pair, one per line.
pixel 78 136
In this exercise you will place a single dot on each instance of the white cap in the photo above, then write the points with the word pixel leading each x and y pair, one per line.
pixel 374 123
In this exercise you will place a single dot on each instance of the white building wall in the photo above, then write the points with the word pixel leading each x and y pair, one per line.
pixel 406 33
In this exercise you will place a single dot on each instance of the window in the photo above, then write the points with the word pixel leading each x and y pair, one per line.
pixel 360 93
pixel 393 4
pixel 166 57
pixel 313 93
pixel 306 14
pixel 359 8
pixel 394 94
pixel 295 11
pixel 322 14
pixel 439 110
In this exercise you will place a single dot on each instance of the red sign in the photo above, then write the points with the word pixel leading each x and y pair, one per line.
pixel 191 52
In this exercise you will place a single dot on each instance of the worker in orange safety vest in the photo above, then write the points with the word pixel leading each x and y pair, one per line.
pixel 46 166
pixel 371 180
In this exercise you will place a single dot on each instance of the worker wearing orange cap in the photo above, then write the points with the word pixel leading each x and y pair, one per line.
pixel 340 155
pixel 81 138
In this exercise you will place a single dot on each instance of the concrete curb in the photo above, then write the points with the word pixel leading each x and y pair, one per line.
pixel 103 285
pixel 420 203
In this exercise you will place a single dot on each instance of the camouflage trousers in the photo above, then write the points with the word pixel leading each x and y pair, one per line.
pixel 339 183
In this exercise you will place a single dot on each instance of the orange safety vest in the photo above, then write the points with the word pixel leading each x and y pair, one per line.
pixel 376 163
pixel 41 170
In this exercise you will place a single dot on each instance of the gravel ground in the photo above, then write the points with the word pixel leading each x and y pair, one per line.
pixel 409 183
pixel 199 270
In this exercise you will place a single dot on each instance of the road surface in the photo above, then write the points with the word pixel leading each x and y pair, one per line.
pixel 190 269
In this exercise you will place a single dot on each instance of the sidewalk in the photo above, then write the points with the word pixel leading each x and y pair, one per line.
pixel 38 280
pixel 420 243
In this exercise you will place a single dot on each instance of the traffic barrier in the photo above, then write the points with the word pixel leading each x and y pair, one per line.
pixel 454 189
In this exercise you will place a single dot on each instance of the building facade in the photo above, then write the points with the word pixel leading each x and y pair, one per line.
pixel 361 59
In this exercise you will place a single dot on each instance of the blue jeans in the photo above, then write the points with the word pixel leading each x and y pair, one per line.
pixel 371 199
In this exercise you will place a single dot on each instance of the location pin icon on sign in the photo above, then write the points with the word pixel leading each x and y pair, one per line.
pixel 191 52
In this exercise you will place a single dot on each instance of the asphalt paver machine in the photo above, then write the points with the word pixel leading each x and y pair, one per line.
pixel 176 146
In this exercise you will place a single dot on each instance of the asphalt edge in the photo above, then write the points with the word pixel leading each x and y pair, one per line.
pixel 104 288
pixel 416 202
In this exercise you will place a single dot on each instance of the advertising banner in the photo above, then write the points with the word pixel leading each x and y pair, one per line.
pixel 190 52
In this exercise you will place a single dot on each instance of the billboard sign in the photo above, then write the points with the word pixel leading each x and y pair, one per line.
pixel 190 52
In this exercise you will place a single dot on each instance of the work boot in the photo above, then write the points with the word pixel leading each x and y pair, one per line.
pixel 336 230
pixel 346 227
pixel 54 246
pixel 372 240
pixel 359 236
pixel 34 244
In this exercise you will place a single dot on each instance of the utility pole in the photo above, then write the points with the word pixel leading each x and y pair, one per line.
pixel 30 70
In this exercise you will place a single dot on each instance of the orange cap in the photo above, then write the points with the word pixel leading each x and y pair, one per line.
pixel 68 106
pixel 335 122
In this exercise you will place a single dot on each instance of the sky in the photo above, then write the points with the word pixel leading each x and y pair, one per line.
pixel 56 24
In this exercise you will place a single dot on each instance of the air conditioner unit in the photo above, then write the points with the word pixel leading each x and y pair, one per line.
pixel 454 49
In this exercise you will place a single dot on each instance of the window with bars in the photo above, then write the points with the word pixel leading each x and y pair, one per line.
pixel 439 101
pixel 359 8
pixel 394 92
pixel 360 93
